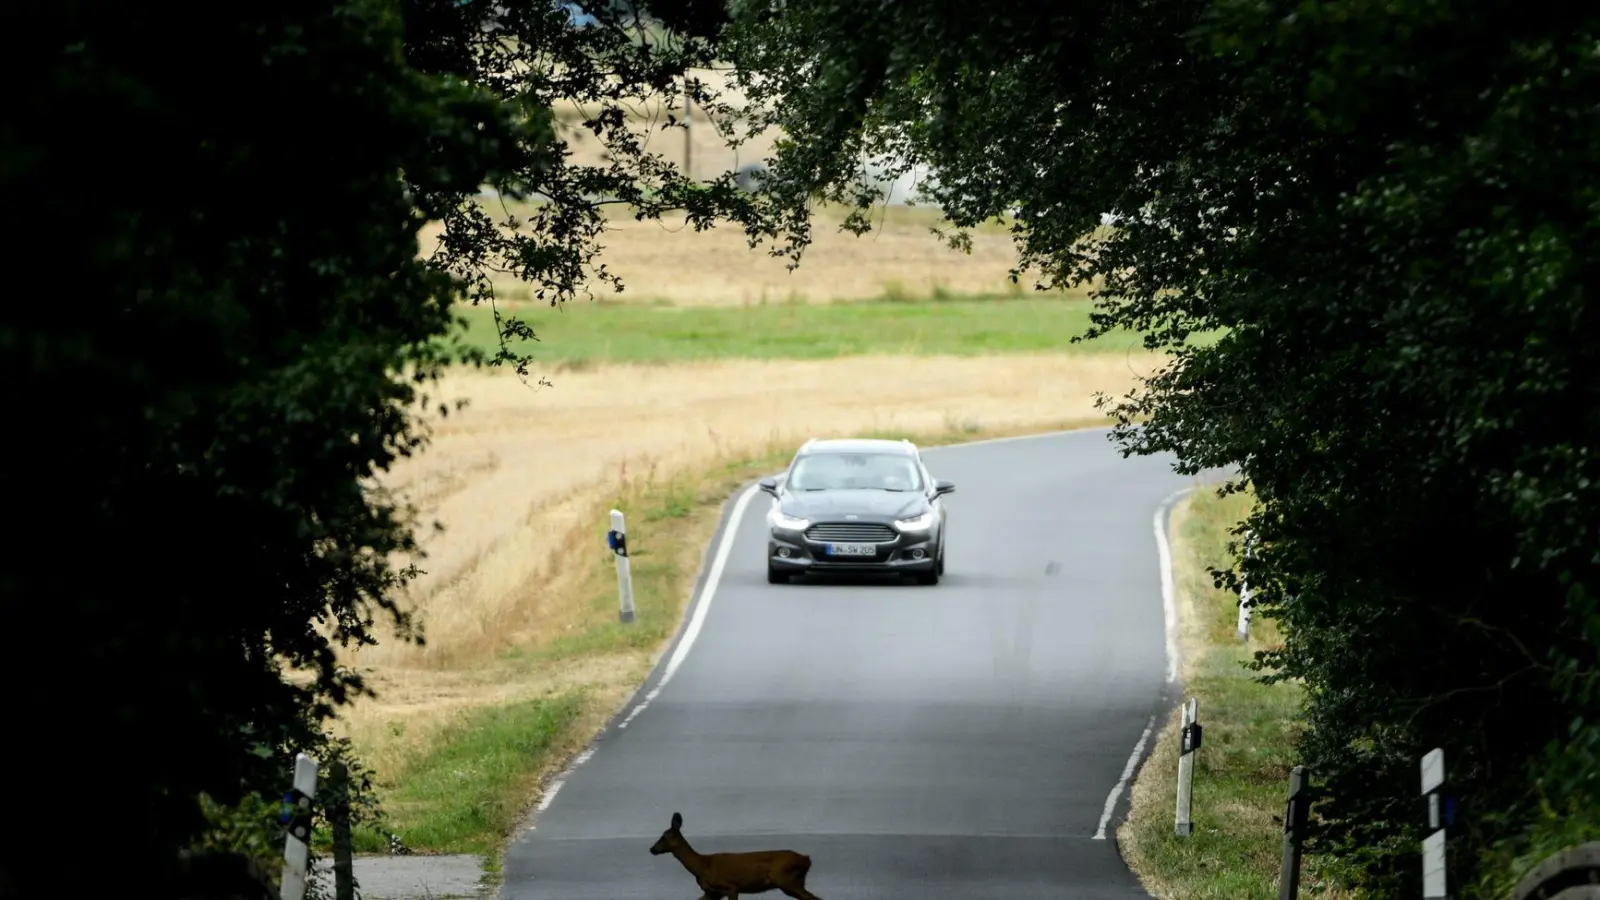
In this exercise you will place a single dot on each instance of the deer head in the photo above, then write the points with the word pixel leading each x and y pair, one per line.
pixel 670 840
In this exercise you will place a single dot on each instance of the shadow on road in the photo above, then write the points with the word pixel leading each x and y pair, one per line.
pixel 861 579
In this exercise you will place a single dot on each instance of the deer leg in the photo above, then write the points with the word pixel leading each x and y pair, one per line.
pixel 799 892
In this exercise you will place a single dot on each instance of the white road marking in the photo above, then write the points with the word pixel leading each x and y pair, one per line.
pixel 556 786
pixel 698 620
pixel 1127 773
pixel 713 577
pixel 1169 609
pixel 1081 429
pixel 1169 600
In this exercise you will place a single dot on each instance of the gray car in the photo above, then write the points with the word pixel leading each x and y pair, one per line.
pixel 856 505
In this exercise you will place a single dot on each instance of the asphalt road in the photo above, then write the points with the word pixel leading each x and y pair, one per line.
pixel 951 742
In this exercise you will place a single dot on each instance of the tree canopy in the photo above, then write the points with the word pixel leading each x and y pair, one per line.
pixel 1390 212
pixel 228 207
pixel 610 65
pixel 227 332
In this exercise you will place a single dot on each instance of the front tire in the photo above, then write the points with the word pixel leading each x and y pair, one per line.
pixel 776 577
pixel 929 577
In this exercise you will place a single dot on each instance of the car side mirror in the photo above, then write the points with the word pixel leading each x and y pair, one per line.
pixel 940 488
pixel 770 485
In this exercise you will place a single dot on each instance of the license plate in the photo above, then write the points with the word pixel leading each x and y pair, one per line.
pixel 852 549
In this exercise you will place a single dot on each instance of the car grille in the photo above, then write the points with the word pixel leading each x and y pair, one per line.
pixel 851 532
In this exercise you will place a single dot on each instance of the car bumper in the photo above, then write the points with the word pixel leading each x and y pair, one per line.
pixel 805 555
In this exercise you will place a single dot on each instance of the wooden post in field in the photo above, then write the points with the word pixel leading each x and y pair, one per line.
pixel 1294 827
pixel 1188 743
pixel 296 845
pixel 617 539
pixel 344 887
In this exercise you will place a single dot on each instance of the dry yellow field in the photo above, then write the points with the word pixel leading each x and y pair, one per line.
pixel 520 478
pixel 670 262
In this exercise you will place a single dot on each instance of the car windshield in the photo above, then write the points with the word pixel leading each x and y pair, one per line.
pixel 855 471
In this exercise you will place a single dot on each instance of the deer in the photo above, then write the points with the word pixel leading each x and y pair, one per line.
pixel 724 876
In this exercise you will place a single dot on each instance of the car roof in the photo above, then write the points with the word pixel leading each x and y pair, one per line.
pixel 857 445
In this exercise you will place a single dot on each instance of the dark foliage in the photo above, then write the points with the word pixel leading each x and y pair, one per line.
pixel 217 331
pixel 225 207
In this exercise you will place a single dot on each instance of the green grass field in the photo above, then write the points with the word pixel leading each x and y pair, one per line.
pixel 465 793
pixel 587 332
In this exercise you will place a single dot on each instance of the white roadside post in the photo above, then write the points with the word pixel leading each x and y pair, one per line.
pixel 1242 632
pixel 617 539
pixel 1189 742
pixel 296 849
pixel 1439 815
pixel 688 129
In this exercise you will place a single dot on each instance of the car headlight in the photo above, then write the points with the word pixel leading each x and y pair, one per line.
pixel 791 523
pixel 915 523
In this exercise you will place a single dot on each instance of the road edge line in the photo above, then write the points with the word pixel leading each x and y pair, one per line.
pixel 1169 593
pixel 1081 429
pixel 702 606
pixel 1122 783
pixel 703 588
pixel 1169 615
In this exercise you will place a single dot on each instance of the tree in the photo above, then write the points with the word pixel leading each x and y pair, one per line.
pixel 227 337
pixel 234 201
pixel 617 62
pixel 1388 211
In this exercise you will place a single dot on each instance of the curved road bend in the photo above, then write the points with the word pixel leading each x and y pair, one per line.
pixel 956 742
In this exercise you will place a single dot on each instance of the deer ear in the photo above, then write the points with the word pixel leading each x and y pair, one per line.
pixel 677 821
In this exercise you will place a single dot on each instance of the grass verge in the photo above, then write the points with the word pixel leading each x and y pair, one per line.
pixel 1242 771
pixel 461 794
pixel 584 333
pixel 466 787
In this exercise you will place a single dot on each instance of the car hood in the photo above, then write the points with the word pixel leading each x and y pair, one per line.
pixel 881 504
